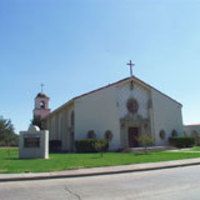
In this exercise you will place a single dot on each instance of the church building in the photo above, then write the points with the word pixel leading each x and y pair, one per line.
pixel 122 111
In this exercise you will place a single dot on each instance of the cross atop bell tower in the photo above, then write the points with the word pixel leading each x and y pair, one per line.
pixel 42 87
pixel 131 65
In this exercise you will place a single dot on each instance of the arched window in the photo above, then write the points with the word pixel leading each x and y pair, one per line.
pixel 72 118
pixel 108 135
pixel 174 133
pixel 132 105
pixel 42 105
pixel 162 134
pixel 91 134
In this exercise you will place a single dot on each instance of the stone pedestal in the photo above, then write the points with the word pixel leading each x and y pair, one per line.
pixel 34 143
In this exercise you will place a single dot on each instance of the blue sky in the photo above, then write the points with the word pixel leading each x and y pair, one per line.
pixel 74 46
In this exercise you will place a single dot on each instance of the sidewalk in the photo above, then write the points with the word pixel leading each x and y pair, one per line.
pixel 99 171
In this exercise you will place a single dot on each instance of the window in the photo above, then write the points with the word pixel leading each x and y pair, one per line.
pixel 132 105
pixel 72 118
pixel 91 134
pixel 162 134
pixel 42 105
pixel 174 133
pixel 108 135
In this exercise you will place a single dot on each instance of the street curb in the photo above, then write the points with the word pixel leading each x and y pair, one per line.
pixel 60 176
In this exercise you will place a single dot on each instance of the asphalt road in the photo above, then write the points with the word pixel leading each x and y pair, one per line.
pixel 178 183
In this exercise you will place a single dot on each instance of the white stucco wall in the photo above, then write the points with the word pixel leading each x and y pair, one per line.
pixel 141 94
pixel 98 111
pixel 52 128
pixel 167 116
pixel 59 126
pixel 190 129
pixel 102 110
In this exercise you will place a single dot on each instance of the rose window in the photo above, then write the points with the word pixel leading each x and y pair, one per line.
pixel 132 105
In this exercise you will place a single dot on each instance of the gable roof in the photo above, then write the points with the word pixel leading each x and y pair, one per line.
pixel 110 85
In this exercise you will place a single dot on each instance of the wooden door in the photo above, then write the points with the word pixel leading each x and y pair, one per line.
pixel 133 133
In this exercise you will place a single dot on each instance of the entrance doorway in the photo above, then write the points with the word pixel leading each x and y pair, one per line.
pixel 133 133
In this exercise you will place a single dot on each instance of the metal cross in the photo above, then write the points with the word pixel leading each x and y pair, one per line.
pixel 131 67
pixel 42 88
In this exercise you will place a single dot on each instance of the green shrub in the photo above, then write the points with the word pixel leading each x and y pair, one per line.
pixel 55 145
pixel 101 146
pixel 196 137
pixel 145 140
pixel 181 142
pixel 90 145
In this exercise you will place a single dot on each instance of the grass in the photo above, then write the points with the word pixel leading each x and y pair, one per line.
pixel 9 162
pixel 196 148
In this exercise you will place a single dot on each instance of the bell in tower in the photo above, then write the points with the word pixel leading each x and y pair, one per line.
pixel 41 110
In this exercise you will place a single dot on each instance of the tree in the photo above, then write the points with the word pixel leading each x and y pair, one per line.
pixel 7 133
pixel 146 140
pixel 37 121
pixel 108 136
pixel 101 146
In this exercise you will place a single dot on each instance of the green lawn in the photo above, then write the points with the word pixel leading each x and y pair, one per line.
pixel 9 162
pixel 196 148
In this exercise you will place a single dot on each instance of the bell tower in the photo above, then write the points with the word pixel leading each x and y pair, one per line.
pixel 41 110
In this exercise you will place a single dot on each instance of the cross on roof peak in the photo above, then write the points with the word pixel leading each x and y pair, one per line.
pixel 42 87
pixel 131 65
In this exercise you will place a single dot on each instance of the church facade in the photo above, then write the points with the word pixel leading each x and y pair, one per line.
pixel 124 109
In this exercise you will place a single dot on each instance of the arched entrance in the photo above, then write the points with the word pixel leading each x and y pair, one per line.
pixel 131 127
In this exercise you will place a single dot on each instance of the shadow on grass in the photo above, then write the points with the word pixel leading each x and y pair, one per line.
pixel 142 154
pixel 21 159
pixel 11 158
pixel 97 157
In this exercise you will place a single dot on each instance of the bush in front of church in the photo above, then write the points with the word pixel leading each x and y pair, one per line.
pixel 55 146
pixel 196 137
pixel 89 145
pixel 182 142
pixel 146 140
pixel 101 146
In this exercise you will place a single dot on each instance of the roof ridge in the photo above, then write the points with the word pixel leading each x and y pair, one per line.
pixel 110 85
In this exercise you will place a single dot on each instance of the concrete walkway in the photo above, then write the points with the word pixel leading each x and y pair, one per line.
pixel 183 151
pixel 100 170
